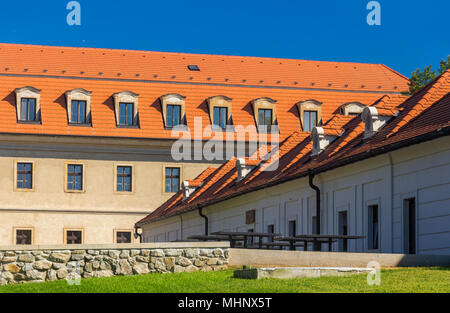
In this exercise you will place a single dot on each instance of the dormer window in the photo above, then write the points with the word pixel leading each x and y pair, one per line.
pixel 373 121
pixel 126 114
pixel 28 104
pixel 78 112
pixel 126 108
pixel 173 108
pixel 265 118
pixel 265 114
pixel 220 117
pixel 310 118
pixel 78 106
pixel 220 112
pixel 173 115
pixel 353 108
pixel 310 114
pixel 27 109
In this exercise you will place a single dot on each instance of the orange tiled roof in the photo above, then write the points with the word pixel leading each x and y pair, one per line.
pixel 55 70
pixel 295 159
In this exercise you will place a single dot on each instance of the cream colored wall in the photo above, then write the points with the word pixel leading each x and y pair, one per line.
pixel 99 209
pixel 99 178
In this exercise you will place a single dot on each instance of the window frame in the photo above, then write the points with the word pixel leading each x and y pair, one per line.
pixel 78 112
pixel 27 120
pixel 267 128
pixel 67 229
pixel 133 185
pixel 179 166
pixel 116 231
pixel 66 177
pixel 126 104
pixel 173 99
pixel 369 203
pixel 404 198
pixel 370 230
pixel 309 105
pixel 220 108
pixel 220 101
pixel 265 103
pixel 15 175
pixel 308 113
pixel 127 97
pixel 171 118
pixel 28 92
pixel 15 229
pixel 79 95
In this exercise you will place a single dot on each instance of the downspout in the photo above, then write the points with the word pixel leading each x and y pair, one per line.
pixel 200 212
pixel 391 168
pixel 181 227
pixel 136 234
pixel 311 175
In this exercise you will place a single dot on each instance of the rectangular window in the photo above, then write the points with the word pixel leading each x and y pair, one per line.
pixel 343 230
pixel 270 230
pixel 126 114
pixel 220 117
pixel 373 227
pixel 124 178
pixel 123 237
pixel 172 179
pixel 173 115
pixel 74 237
pixel 409 225
pixel 78 112
pixel 292 228
pixel 265 118
pixel 24 176
pixel 75 177
pixel 24 236
pixel 28 109
pixel 310 119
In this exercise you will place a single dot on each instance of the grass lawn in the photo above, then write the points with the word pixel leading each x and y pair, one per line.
pixel 392 280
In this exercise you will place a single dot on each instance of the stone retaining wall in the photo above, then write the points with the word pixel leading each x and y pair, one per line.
pixel 39 264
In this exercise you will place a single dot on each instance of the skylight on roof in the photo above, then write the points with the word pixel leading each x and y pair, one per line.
pixel 193 68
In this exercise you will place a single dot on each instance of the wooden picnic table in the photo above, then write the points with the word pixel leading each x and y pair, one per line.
pixel 316 239
pixel 293 242
pixel 329 238
pixel 217 238
pixel 232 235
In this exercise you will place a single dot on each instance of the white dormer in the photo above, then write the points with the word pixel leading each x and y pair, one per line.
pixel 187 190
pixel 320 140
pixel 243 169
pixel 373 121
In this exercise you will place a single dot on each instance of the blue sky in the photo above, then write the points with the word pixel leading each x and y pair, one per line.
pixel 412 33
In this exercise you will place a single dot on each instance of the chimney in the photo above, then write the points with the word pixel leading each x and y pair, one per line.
pixel 187 190
pixel 243 169
pixel 373 121
pixel 320 140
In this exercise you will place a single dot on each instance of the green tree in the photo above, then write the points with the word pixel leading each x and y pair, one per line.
pixel 420 78
pixel 445 65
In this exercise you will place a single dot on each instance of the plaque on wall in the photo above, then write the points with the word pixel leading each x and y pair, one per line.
pixel 250 217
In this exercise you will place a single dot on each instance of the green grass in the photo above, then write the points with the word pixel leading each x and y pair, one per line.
pixel 392 280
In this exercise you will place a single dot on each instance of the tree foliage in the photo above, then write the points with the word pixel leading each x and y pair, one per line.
pixel 420 78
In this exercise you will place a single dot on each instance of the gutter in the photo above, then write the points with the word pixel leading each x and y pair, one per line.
pixel 441 132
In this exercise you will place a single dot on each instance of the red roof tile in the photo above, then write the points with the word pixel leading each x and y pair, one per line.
pixel 56 70
pixel 431 107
